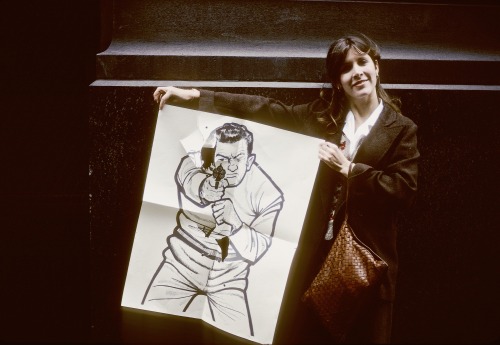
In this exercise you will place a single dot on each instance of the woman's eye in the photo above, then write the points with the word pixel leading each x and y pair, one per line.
pixel 345 69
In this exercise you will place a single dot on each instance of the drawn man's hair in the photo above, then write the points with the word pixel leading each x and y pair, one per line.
pixel 229 132
pixel 234 132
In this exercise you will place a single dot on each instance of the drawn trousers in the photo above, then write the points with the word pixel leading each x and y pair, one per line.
pixel 186 275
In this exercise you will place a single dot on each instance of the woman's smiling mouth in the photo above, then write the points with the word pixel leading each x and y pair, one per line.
pixel 359 82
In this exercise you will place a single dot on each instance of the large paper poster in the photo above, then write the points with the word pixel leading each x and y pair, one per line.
pixel 223 207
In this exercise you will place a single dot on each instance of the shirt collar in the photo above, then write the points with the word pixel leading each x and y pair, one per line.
pixel 365 128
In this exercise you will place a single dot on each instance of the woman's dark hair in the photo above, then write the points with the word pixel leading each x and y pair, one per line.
pixel 337 102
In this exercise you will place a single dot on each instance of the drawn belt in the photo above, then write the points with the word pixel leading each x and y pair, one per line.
pixel 184 233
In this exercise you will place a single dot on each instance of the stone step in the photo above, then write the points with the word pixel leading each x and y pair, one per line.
pixel 287 40
pixel 297 61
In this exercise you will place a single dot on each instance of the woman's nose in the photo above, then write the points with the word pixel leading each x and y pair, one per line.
pixel 356 71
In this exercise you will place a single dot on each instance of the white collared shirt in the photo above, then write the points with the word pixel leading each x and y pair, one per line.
pixel 354 137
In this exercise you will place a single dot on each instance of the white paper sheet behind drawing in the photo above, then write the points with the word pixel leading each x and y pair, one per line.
pixel 289 158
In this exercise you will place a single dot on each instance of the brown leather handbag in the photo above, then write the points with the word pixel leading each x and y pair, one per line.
pixel 349 274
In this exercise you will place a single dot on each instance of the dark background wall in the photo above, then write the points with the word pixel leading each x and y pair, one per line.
pixel 448 290
pixel 47 62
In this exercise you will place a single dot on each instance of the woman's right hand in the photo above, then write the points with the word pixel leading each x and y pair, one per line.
pixel 172 94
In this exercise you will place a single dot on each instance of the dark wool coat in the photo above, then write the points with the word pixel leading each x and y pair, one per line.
pixel 382 183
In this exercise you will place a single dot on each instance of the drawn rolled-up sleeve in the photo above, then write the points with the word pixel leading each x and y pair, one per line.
pixel 252 241
pixel 189 177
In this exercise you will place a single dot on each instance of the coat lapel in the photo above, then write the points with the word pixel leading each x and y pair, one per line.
pixel 380 138
pixel 370 152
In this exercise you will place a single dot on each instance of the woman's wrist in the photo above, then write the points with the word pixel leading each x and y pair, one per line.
pixel 344 170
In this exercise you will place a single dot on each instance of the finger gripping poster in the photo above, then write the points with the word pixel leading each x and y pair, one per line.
pixel 223 207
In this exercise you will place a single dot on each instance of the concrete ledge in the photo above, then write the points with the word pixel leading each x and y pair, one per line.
pixel 281 20
pixel 283 40
pixel 444 68
pixel 276 85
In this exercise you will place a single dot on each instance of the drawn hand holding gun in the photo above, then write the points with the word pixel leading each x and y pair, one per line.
pixel 226 217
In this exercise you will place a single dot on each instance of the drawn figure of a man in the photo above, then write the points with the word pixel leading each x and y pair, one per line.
pixel 228 210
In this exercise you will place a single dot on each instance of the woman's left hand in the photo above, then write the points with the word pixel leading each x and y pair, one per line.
pixel 333 156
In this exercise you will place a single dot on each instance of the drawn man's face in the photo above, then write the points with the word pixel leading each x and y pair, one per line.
pixel 235 159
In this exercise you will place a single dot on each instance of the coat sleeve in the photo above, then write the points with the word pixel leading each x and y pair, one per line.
pixel 260 109
pixel 393 185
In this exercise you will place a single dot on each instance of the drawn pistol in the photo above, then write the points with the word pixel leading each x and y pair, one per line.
pixel 219 174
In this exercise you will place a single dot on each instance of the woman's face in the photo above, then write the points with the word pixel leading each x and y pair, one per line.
pixel 358 76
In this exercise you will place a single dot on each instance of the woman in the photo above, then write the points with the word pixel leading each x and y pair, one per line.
pixel 363 128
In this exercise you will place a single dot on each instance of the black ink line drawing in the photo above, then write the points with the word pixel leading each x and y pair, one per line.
pixel 228 209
